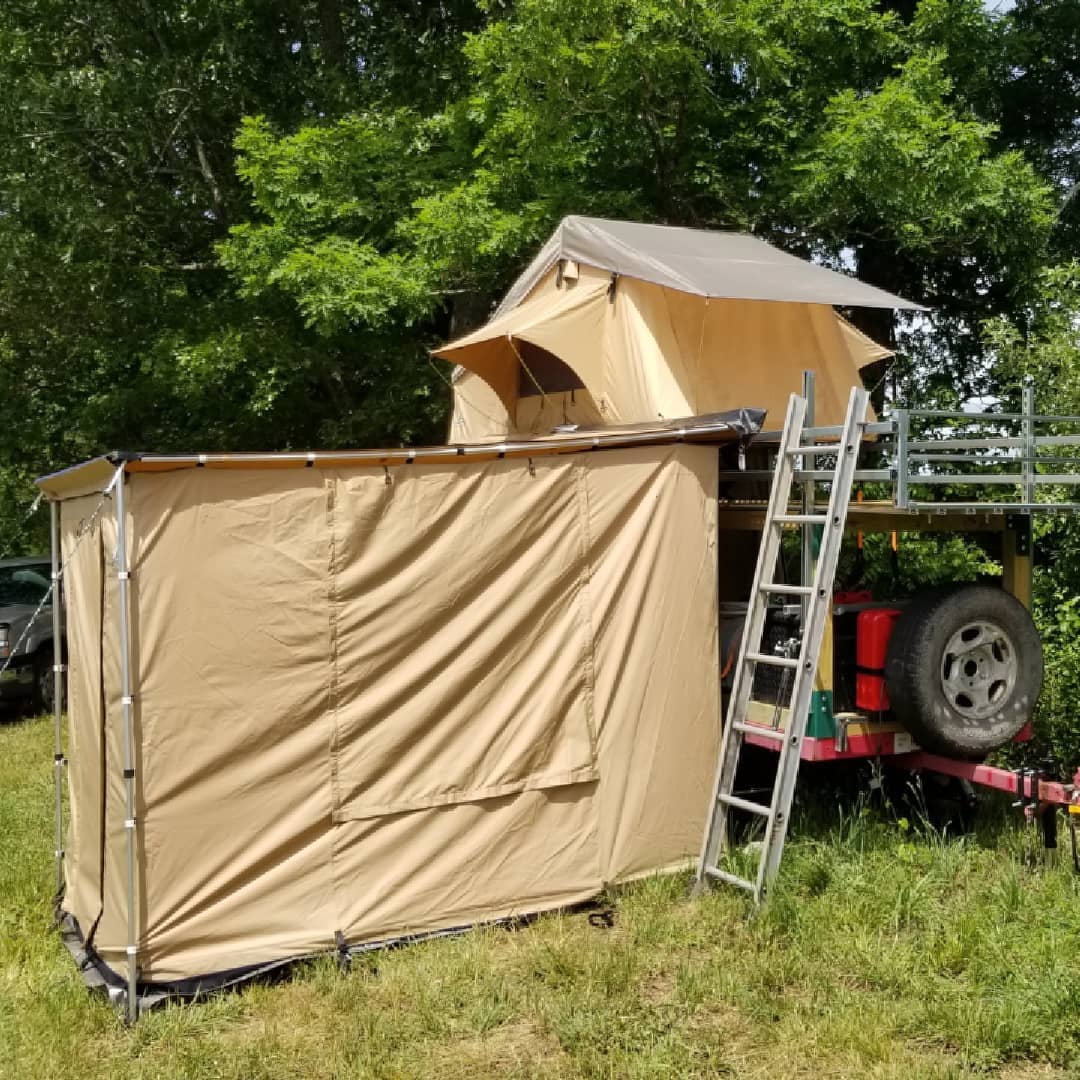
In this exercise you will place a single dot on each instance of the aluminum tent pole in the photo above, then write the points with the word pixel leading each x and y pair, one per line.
pixel 58 694
pixel 127 702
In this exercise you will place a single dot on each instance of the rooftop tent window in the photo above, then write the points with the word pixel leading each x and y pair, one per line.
pixel 542 372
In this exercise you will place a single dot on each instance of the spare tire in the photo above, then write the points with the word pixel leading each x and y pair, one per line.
pixel 964 669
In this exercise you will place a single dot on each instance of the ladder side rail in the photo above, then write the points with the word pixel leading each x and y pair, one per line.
pixel 809 492
pixel 753 630
pixel 809 652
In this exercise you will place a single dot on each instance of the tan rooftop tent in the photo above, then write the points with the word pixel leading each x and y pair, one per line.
pixel 320 701
pixel 616 322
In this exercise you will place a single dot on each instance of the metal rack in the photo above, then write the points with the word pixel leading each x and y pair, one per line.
pixel 945 462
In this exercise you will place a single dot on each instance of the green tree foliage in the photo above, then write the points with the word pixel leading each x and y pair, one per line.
pixel 244 223
pixel 832 127
pixel 1038 101
pixel 118 323
pixel 1045 349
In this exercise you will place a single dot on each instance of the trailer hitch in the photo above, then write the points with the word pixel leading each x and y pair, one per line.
pixel 1035 792
pixel 1029 789
pixel 1027 798
pixel 1073 810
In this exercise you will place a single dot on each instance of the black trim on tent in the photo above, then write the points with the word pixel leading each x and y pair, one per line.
pixel 98 976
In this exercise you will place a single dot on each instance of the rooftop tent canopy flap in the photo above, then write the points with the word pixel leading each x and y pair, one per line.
pixel 618 322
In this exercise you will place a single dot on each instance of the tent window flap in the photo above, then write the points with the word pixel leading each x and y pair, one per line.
pixel 542 372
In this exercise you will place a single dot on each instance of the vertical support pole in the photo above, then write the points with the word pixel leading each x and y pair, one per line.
pixel 58 694
pixel 903 426
pixel 806 532
pixel 1028 468
pixel 127 702
pixel 1016 557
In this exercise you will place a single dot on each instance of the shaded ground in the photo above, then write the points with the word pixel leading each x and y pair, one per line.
pixel 882 954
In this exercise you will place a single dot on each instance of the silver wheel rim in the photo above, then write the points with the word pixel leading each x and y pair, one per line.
pixel 978 670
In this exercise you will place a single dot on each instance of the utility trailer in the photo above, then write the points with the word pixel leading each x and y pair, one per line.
pixel 933 682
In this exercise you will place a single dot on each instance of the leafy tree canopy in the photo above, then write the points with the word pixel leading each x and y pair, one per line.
pixel 832 127
pixel 243 222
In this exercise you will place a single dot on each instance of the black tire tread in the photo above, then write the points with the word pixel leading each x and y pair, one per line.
pixel 43 664
pixel 913 660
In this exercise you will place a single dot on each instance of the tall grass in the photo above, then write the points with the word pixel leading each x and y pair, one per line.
pixel 884 951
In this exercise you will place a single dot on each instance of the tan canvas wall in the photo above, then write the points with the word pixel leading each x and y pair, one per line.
pixel 112 927
pixel 653 589
pixel 231 593
pixel 385 702
pixel 82 556
pixel 481 579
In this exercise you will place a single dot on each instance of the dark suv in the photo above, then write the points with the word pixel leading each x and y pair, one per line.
pixel 29 675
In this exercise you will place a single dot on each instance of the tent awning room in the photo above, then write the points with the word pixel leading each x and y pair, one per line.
pixel 618 322
pixel 329 700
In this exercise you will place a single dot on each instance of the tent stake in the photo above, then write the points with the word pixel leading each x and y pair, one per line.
pixel 58 693
pixel 127 704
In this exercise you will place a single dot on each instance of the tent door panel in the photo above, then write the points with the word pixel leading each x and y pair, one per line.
pixel 461 645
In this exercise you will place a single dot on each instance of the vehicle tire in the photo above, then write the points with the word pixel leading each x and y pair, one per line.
pixel 44 686
pixel 964 669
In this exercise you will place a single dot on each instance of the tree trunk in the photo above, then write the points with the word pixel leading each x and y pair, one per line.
pixel 332 35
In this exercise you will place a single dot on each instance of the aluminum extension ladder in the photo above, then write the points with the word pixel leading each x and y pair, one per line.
pixel 817 598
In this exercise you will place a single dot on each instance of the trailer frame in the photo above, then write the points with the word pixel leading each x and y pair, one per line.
pixel 935 471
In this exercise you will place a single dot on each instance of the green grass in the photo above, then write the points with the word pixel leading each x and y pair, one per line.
pixel 881 954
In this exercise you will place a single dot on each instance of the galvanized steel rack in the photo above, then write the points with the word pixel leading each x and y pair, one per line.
pixel 933 461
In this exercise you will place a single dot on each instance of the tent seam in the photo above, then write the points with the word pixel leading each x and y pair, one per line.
pixel 584 608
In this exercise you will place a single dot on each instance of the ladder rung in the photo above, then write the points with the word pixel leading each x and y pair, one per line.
pixel 835 448
pixel 731 879
pixel 757 729
pixel 745 804
pixel 801 519
pixel 788 590
pixel 775 661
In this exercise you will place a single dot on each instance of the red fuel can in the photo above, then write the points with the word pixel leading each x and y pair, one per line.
pixel 872 632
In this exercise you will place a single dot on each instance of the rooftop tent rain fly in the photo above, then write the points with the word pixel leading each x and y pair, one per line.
pixel 617 322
